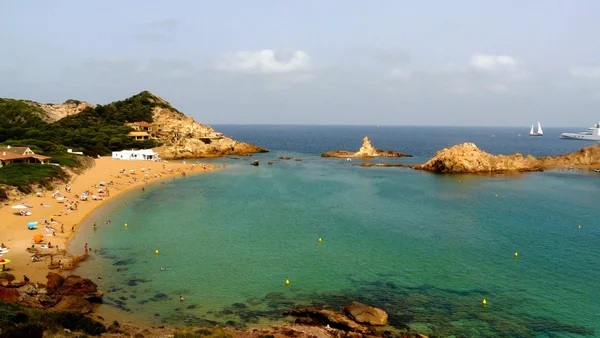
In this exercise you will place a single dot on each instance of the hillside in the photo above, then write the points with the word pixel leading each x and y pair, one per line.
pixel 100 129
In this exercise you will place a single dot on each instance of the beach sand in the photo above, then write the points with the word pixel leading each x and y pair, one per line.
pixel 19 239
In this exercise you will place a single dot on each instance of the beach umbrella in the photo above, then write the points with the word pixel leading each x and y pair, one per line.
pixel 32 225
pixel 20 206
pixel 3 262
pixel 38 238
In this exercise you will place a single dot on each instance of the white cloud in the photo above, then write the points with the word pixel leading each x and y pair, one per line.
pixel 490 62
pixel 264 61
pixel 585 72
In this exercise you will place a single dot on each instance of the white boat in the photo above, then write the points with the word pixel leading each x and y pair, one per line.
pixel 591 134
pixel 539 130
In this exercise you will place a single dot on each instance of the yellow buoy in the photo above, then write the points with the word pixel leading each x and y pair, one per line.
pixel 320 240
pixel 484 302
pixel 156 252
pixel 287 282
pixel 516 254
pixel 579 227
pixel 496 195
pixel 125 224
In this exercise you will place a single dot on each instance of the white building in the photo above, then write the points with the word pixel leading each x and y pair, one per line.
pixel 143 154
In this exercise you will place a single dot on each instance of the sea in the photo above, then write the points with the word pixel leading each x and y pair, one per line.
pixel 426 248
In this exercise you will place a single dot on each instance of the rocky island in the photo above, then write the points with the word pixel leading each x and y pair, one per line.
pixel 468 158
pixel 366 151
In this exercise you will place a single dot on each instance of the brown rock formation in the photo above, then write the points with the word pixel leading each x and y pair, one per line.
pixel 366 151
pixel 55 112
pixel 366 314
pixel 73 303
pixel 72 293
pixel 324 317
pixel 55 281
pixel 183 137
pixel 467 158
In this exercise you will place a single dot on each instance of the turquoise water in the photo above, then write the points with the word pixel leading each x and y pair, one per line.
pixel 425 248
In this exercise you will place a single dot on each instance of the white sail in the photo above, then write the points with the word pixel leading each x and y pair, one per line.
pixel 540 129
pixel 531 131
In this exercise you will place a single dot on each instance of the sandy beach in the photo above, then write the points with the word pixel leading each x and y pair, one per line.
pixel 59 215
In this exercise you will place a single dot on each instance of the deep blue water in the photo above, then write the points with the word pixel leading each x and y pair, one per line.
pixel 417 141
pixel 425 248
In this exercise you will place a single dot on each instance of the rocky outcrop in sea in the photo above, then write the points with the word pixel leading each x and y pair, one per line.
pixel 366 151
pixel 468 158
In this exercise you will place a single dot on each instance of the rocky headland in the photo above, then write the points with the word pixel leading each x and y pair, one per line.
pixel 187 138
pixel 468 158
pixel 144 120
pixel 366 151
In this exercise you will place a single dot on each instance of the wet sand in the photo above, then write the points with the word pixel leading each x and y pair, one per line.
pixel 44 207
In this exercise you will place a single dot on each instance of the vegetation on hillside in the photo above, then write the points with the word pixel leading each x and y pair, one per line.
pixel 26 175
pixel 94 131
pixel 20 321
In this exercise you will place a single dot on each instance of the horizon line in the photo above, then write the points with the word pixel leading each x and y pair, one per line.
pixel 377 125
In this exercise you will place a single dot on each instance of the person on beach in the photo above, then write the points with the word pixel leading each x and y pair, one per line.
pixel 86 248
pixel 62 228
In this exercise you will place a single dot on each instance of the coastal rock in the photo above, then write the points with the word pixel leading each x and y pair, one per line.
pixel 78 286
pixel 328 317
pixel 6 277
pixel 35 295
pixel 74 303
pixel 365 314
pixel 366 151
pixel 55 281
pixel 468 158
pixel 182 137
pixel 9 295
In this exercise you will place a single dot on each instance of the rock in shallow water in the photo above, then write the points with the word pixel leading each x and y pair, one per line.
pixel 365 314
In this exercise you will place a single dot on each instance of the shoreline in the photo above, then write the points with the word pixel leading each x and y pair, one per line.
pixel 19 239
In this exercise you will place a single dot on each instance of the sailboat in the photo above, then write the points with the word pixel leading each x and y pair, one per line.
pixel 539 130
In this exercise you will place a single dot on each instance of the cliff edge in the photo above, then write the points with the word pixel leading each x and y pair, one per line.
pixel 366 151
pixel 182 137
pixel 468 158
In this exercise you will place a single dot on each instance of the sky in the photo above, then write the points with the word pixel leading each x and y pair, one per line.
pixel 382 62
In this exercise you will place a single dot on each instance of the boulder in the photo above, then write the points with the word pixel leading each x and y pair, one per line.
pixel 9 295
pixel 328 317
pixel 7 277
pixel 81 287
pixel 74 303
pixel 55 281
pixel 365 314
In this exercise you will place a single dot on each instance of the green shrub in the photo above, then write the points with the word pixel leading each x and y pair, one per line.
pixel 24 175
pixel 77 322
pixel 26 330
